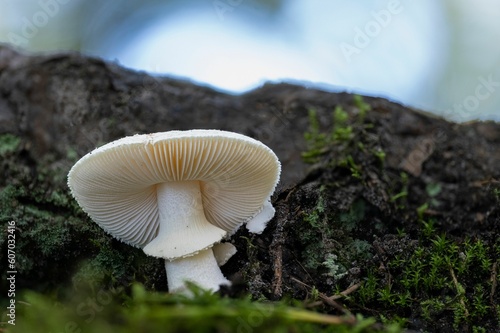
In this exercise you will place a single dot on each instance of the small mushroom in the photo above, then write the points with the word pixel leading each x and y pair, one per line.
pixel 223 252
pixel 176 194
pixel 259 222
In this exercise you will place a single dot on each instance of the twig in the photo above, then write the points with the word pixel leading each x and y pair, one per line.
pixel 460 292
pixel 348 291
pixel 302 266
pixel 277 281
pixel 331 300
pixel 493 280
pixel 290 193
pixel 340 295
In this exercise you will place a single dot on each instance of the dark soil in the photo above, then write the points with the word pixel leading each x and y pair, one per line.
pixel 372 198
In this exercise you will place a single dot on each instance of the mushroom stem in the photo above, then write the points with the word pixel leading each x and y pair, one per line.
pixel 201 269
pixel 185 237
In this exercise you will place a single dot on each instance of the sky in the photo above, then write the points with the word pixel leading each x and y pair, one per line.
pixel 236 50
pixel 441 56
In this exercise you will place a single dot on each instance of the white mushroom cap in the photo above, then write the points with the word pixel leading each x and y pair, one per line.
pixel 116 183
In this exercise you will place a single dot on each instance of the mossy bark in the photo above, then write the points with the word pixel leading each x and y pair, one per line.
pixel 383 173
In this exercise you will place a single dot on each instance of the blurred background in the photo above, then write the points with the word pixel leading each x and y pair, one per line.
pixel 441 56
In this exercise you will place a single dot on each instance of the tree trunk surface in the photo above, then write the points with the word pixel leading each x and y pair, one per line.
pixel 383 185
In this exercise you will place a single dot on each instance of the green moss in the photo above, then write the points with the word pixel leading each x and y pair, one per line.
pixel 362 106
pixel 401 196
pixel 51 230
pixel 353 216
pixel 111 310
pixel 329 242
pixel 71 154
pixel 44 231
pixel 349 163
pixel 440 275
pixel 314 217
pixel 380 154
pixel 341 130
pixel 8 143
pixel 318 142
pixel 107 263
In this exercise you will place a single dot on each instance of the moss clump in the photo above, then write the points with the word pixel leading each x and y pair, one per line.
pixel 8 144
pixel 111 310
pixel 329 242
pixel 362 106
pixel 440 276
pixel 318 143
pixel 49 238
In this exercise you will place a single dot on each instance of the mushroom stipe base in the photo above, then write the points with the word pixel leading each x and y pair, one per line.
pixel 185 237
pixel 201 269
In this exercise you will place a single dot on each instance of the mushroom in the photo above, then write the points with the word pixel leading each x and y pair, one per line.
pixel 223 252
pixel 175 194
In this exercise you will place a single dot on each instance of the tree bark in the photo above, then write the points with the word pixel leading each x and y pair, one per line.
pixel 378 175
